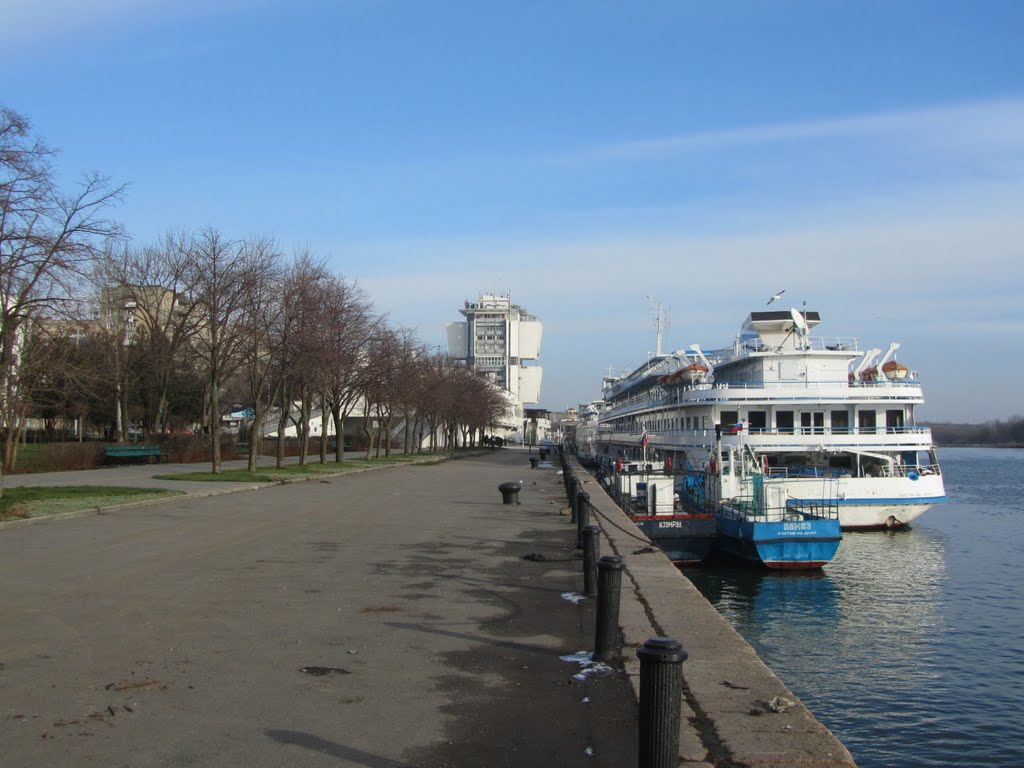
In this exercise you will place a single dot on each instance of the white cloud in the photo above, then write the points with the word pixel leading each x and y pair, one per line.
pixel 995 124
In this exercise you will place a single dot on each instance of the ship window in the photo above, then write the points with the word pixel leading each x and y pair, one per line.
pixel 758 420
pixel 866 422
pixel 728 418
pixel 894 421
pixel 784 421
pixel 840 421
pixel 805 423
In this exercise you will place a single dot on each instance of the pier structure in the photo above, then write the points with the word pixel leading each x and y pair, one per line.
pixel 406 616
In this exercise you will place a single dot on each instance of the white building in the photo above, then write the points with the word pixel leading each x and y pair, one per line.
pixel 497 339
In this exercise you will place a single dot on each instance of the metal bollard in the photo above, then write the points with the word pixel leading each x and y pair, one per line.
pixel 533 462
pixel 510 492
pixel 590 553
pixel 582 516
pixel 574 502
pixel 661 694
pixel 609 586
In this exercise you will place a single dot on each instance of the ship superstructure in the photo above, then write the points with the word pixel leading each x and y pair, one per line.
pixel 827 419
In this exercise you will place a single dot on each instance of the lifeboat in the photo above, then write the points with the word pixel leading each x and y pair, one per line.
pixel 894 370
pixel 869 374
pixel 692 372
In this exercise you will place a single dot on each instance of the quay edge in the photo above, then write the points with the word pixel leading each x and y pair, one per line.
pixel 726 719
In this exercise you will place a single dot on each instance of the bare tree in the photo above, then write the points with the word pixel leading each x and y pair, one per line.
pixel 154 282
pixel 379 389
pixel 296 347
pixel 349 326
pixel 219 273
pixel 47 238
pixel 264 346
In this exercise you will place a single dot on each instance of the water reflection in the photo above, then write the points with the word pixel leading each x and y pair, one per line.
pixel 851 638
pixel 909 644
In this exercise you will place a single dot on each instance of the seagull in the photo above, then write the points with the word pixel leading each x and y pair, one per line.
pixel 776 297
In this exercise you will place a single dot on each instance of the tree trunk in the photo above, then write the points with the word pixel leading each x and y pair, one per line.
pixel 339 415
pixel 369 437
pixel 324 421
pixel 215 426
pixel 254 437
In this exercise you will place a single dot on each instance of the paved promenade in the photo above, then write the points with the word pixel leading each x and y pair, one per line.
pixel 395 618
pixel 384 619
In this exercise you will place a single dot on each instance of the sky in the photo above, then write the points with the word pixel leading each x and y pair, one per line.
pixel 588 158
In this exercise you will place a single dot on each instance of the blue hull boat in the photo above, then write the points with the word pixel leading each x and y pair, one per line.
pixel 799 541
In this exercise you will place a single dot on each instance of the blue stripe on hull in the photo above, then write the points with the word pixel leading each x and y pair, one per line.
pixel 883 502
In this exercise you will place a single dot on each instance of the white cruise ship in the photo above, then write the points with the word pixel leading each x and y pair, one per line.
pixel 824 418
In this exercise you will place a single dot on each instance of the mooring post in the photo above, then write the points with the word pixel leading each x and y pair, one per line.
pixel 582 516
pixel 609 586
pixel 510 492
pixel 574 502
pixel 590 552
pixel 661 694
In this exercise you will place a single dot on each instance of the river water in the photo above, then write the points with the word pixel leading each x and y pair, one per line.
pixel 909 646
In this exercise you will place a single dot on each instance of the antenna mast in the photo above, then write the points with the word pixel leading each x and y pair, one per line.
pixel 662 321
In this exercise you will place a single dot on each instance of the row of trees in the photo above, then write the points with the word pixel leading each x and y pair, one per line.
pixel 1009 433
pixel 94 330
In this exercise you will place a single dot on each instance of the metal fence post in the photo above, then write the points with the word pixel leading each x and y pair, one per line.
pixel 661 694
pixel 582 516
pixel 590 546
pixel 609 587
pixel 574 501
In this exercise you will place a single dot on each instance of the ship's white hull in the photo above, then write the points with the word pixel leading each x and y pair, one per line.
pixel 871 503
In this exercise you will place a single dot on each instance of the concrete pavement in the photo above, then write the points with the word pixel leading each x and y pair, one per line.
pixel 383 619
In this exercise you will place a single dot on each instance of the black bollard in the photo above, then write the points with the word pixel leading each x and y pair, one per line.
pixel 661 694
pixel 574 502
pixel 609 586
pixel 582 516
pixel 510 492
pixel 533 462
pixel 590 553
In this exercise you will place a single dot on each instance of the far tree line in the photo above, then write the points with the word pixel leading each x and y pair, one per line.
pixel 1004 434
pixel 111 336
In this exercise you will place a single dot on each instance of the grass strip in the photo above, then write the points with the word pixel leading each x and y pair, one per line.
pixel 37 501
pixel 303 471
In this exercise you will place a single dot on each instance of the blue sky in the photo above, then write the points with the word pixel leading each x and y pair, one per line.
pixel 866 156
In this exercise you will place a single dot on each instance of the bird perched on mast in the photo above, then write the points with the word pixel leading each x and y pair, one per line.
pixel 776 297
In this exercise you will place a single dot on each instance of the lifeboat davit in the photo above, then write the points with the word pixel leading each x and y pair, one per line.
pixel 894 370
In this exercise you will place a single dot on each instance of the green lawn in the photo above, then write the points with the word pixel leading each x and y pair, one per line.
pixel 303 471
pixel 32 501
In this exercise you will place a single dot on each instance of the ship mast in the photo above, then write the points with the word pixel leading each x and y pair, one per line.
pixel 661 320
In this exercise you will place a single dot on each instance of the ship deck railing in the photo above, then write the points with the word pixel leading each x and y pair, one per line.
pixel 881 470
pixel 795 510
pixel 836 390
pixel 801 438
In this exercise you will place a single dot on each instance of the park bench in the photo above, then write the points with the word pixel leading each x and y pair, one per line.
pixel 129 454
